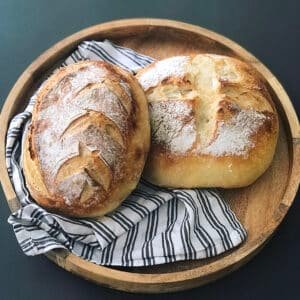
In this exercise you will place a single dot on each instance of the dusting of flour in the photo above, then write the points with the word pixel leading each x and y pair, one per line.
pixel 72 186
pixel 174 66
pixel 173 125
pixel 234 137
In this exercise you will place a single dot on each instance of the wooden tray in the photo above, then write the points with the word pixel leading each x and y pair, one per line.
pixel 260 207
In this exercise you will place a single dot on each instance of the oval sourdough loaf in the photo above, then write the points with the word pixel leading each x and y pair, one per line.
pixel 88 140
pixel 213 122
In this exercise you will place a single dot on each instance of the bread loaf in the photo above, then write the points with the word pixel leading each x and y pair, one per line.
pixel 213 122
pixel 88 140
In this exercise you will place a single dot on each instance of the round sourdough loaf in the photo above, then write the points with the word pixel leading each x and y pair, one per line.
pixel 88 141
pixel 212 119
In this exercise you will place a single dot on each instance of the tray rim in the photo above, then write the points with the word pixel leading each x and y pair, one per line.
pixel 164 282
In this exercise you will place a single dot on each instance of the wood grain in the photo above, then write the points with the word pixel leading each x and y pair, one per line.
pixel 260 207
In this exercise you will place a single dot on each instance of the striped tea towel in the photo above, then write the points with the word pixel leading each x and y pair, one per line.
pixel 152 226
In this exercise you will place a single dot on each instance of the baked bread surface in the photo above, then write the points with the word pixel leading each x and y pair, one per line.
pixel 88 140
pixel 213 122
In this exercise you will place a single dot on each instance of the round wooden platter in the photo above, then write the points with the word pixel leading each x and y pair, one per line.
pixel 260 207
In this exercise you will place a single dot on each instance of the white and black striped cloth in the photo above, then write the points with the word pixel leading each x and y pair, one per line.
pixel 152 226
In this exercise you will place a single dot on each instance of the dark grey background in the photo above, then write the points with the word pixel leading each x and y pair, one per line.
pixel 268 29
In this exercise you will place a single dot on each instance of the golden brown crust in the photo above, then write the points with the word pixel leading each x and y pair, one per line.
pixel 88 140
pixel 213 122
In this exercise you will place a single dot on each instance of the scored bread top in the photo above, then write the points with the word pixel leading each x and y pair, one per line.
pixel 206 104
pixel 212 119
pixel 86 132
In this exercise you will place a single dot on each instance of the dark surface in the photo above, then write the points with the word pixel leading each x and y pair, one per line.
pixel 268 29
